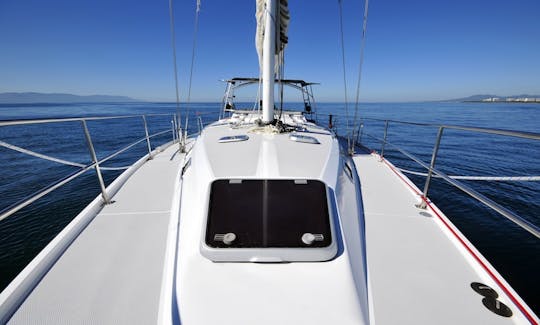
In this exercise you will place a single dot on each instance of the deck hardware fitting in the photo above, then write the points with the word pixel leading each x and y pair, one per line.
pixel 308 238
pixel 303 138
pixel 233 138
pixel 95 160
pixel 227 238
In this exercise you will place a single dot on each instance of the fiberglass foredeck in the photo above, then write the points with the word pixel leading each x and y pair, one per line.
pixel 418 270
pixel 112 272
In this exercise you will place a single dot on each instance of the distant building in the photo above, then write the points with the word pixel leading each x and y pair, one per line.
pixel 510 99
pixel 491 99
pixel 523 100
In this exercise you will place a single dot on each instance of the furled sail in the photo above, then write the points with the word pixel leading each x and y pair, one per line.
pixel 282 26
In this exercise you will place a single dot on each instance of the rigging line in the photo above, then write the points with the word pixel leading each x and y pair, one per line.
pixel 114 168
pixel 282 74
pixel 362 47
pixel 344 71
pixel 256 104
pixel 195 30
pixel 478 178
pixel 173 42
pixel 39 155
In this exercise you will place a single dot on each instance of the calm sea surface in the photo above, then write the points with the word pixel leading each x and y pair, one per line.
pixel 513 252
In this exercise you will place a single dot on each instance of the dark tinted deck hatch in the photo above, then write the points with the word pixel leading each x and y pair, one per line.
pixel 268 213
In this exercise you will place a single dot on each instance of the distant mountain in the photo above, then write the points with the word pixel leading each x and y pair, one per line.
pixel 28 98
pixel 478 98
pixel 473 98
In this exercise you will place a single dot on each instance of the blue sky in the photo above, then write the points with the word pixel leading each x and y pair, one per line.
pixel 416 49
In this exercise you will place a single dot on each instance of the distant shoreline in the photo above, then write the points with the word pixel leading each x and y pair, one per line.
pixel 501 101
pixel 60 98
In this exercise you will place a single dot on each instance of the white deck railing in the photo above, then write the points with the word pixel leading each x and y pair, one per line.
pixel 96 163
pixel 452 180
pixel 333 124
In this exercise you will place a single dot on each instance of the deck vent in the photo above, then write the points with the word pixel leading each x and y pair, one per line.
pixel 233 138
pixel 303 138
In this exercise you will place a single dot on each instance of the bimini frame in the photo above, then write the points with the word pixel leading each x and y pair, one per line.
pixel 304 87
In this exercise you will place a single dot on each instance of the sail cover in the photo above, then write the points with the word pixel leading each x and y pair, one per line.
pixel 282 26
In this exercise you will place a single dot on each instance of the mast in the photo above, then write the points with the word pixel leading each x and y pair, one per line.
pixel 269 51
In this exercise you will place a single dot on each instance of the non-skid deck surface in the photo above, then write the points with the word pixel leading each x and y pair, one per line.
pixel 112 272
pixel 417 275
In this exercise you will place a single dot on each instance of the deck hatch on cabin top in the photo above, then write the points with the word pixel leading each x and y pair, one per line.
pixel 268 213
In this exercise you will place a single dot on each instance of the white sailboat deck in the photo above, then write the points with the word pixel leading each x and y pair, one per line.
pixel 118 270
pixel 419 273
pixel 112 273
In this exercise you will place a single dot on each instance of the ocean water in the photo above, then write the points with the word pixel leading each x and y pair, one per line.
pixel 513 252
